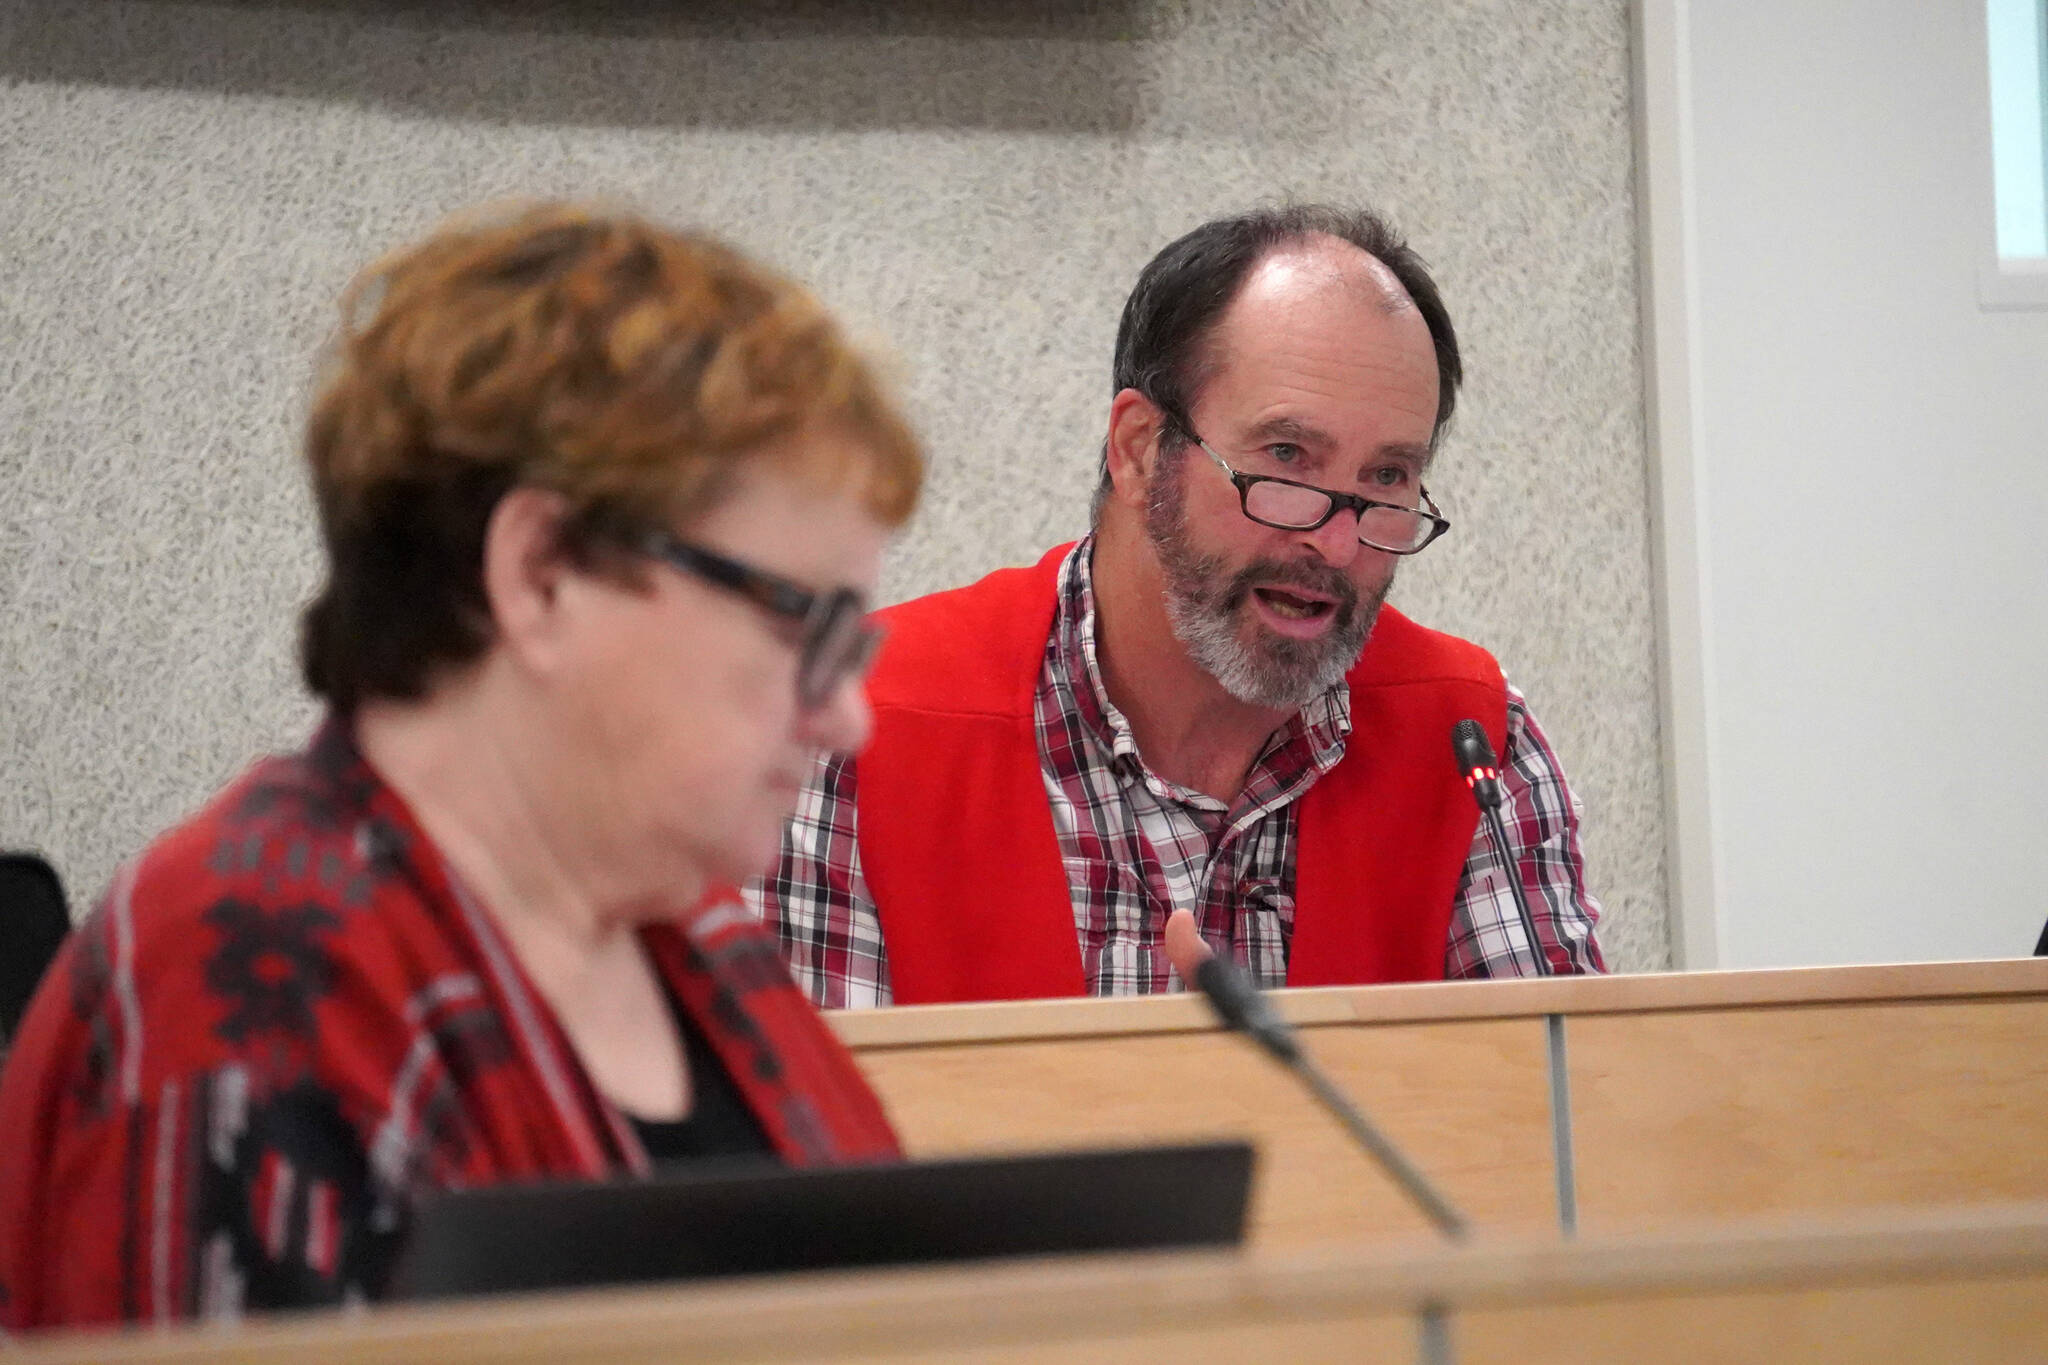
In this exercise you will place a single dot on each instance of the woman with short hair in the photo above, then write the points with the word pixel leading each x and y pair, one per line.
pixel 603 504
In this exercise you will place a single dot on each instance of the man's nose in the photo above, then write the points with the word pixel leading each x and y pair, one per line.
pixel 1336 540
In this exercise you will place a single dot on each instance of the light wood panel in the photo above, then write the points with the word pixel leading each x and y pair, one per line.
pixel 1199 1308
pixel 1735 1111
pixel 1993 1321
pixel 1950 1287
pixel 1468 1100
pixel 1693 1094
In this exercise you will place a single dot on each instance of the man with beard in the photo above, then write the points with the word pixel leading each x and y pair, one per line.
pixel 1201 713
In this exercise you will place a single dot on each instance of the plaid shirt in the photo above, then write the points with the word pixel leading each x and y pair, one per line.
pixel 1138 847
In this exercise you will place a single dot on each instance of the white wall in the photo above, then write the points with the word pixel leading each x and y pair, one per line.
pixel 1869 481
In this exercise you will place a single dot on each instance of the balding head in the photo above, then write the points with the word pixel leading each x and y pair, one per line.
pixel 1163 342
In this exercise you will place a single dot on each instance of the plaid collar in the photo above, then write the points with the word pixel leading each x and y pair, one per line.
pixel 1308 745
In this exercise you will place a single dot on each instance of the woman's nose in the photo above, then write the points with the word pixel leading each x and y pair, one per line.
pixel 843 721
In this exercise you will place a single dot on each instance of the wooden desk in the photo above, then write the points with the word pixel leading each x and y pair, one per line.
pixel 1468 1098
pixel 1657 1098
pixel 1869 1086
pixel 1949 1287
pixel 1795 1091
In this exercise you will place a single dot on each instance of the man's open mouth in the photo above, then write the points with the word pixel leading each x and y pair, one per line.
pixel 1295 606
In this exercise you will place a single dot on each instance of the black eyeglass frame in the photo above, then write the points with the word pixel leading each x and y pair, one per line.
pixel 836 641
pixel 1338 502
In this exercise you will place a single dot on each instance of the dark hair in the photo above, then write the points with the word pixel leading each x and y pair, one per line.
pixel 628 368
pixel 1180 296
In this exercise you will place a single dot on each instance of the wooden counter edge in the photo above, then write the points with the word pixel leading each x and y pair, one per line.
pixel 1055 1299
pixel 1016 1020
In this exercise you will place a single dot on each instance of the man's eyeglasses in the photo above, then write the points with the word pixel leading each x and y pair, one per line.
pixel 1289 506
pixel 836 641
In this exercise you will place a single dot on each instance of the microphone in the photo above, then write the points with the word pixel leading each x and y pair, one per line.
pixel 1476 763
pixel 1244 1008
pixel 1481 771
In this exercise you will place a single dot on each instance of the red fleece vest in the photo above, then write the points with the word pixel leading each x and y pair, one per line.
pixel 956 834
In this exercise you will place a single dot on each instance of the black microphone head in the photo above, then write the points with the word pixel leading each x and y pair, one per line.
pixel 1476 763
pixel 1470 744
pixel 1241 1006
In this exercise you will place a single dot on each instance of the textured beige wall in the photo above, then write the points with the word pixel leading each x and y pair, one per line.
pixel 185 187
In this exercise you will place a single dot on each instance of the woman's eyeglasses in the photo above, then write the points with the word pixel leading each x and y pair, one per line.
pixel 836 640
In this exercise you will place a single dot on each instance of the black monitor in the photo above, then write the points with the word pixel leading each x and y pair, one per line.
pixel 760 1219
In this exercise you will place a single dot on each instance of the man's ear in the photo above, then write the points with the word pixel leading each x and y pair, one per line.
pixel 1132 449
pixel 523 569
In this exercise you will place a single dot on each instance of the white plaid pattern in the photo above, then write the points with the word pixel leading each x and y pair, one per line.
pixel 1137 847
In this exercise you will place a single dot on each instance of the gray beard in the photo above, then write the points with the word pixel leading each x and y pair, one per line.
pixel 1205 608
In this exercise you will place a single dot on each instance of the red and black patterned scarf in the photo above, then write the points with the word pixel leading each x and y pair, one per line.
pixel 287 1019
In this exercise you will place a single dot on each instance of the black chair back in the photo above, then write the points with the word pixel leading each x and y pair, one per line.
pixel 33 923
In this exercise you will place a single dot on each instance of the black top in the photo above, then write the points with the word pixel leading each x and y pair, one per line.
pixel 719 1123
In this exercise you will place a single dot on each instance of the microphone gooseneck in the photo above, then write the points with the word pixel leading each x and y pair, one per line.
pixel 1243 1007
pixel 1481 771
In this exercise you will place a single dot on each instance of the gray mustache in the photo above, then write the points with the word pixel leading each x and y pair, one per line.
pixel 1273 573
